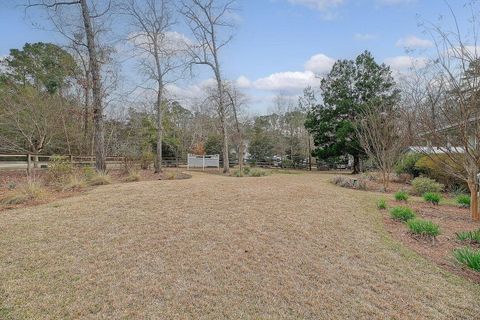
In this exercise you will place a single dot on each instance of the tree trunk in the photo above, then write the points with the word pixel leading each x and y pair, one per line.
pixel 474 200
pixel 99 137
pixel 356 164
pixel 158 158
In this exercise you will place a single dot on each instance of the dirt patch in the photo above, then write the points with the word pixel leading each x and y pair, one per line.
pixel 451 220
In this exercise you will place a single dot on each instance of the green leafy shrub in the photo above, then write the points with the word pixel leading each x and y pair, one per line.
pixel 401 196
pixel 406 165
pixel 463 201
pixel 432 197
pixel 402 213
pixel 100 179
pixel 468 257
pixel 246 170
pixel 469 236
pixel 423 185
pixel 382 204
pixel 423 227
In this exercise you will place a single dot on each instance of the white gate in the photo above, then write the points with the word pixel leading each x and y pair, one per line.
pixel 203 161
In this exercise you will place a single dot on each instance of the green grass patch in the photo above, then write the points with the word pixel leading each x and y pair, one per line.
pixel 432 197
pixel 468 257
pixel 423 227
pixel 402 214
pixel 469 236
pixel 401 196
pixel 382 204
pixel 463 201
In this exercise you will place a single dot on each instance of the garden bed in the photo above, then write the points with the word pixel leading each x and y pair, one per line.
pixel 451 220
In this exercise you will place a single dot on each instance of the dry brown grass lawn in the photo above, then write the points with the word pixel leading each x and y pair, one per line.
pixel 276 247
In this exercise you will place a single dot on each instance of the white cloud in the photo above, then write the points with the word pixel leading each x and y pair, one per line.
pixel 286 81
pixel 321 5
pixel 319 63
pixel 401 63
pixel 364 36
pixel 243 82
pixel 413 42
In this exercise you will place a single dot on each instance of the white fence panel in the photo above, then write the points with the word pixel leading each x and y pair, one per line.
pixel 203 161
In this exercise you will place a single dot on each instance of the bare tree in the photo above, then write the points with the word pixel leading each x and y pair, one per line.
pixel 380 133
pixel 159 50
pixel 237 100
pixel 206 19
pixel 88 17
pixel 449 111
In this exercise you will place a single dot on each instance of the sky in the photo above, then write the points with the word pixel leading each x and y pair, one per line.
pixel 282 46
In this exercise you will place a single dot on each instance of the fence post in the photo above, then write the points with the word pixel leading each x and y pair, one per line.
pixel 71 159
pixel 29 164
pixel 203 163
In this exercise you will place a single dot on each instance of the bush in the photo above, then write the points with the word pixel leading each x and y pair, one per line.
pixel 31 190
pixel 246 170
pixel 432 197
pixel 423 227
pixel 59 169
pixel 257 172
pixel 401 196
pixel 423 185
pixel 433 166
pixel 100 179
pixel 463 201
pixel 346 182
pixel 469 236
pixel 407 164
pixel 382 204
pixel 468 257
pixel 402 213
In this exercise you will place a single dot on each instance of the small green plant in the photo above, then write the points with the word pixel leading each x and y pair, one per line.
pixel 88 172
pixel 246 170
pixel 468 257
pixel 463 201
pixel 382 204
pixel 100 179
pixel 423 185
pixel 402 214
pixel 469 236
pixel 432 197
pixel 401 196
pixel 423 227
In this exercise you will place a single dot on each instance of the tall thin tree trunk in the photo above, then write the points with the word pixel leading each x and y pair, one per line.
pixel 356 164
pixel 474 200
pixel 100 163
pixel 158 158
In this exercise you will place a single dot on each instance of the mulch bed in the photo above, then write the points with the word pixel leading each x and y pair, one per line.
pixel 451 220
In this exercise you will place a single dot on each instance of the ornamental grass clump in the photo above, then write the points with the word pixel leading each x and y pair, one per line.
pixel 402 214
pixel 401 196
pixel 382 204
pixel 432 197
pixel 468 257
pixel 423 227
pixel 472 237
pixel 463 201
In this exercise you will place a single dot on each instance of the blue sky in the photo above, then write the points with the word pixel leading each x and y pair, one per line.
pixel 280 45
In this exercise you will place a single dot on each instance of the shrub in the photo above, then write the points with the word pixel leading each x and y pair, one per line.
pixel 469 236
pixel 382 204
pixel 401 196
pixel 433 166
pixel 31 190
pixel 89 172
pixel 468 257
pixel 59 169
pixel 463 201
pixel 100 179
pixel 351 183
pixel 423 185
pixel 257 172
pixel 402 213
pixel 246 170
pixel 406 165
pixel 432 197
pixel 423 227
